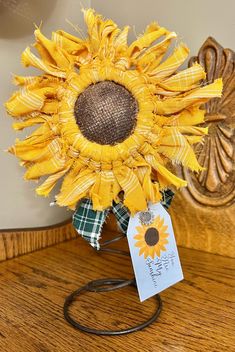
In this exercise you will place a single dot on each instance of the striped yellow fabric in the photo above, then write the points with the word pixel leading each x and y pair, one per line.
pixel 178 103
pixel 168 120
pixel 184 80
pixel 170 65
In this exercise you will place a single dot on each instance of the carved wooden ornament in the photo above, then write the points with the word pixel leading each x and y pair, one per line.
pixel 207 203
pixel 215 186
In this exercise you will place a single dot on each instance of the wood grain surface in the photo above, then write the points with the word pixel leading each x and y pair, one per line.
pixel 15 242
pixel 198 313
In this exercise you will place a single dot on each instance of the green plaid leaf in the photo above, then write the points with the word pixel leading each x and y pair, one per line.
pixel 89 222
pixel 167 197
pixel 122 216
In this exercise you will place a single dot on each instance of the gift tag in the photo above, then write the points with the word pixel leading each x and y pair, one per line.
pixel 153 251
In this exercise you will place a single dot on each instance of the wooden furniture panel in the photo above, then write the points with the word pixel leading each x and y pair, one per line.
pixel 15 242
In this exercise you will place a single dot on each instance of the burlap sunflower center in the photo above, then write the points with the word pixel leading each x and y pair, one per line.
pixel 106 113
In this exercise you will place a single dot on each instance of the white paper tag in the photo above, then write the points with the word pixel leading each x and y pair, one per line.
pixel 153 251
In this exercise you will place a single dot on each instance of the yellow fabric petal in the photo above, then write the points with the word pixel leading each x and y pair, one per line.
pixel 107 32
pixel 152 56
pixel 39 152
pixel 152 27
pixel 47 167
pixel 78 189
pixel 175 146
pixel 68 42
pixel 120 42
pixel 78 166
pixel 107 29
pixel 144 41
pixel 134 197
pixel 46 187
pixel 27 123
pixel 50 107
pixel 21 80
pixel 191 116
pixel 188 117
pixel 29 59
pixel 51 52
pixel 193 139
pixel 92 21
pixel 28 100
pixel 44 54
pixel 116 189
pixel 184 80
pixel 200 95
pixel 194 130
pixel 143 172
pixel 33 151
pixel 78 48
pixel 151 189
pixel 101 192
pixel 171 64
pixel 44 80
pixel 166 174
pixel 41 145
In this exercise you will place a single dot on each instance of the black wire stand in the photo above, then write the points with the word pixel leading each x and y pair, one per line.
pixel 106 285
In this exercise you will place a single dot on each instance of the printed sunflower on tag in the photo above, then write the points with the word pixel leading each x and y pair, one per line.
pixel 151 239
pixel 110 117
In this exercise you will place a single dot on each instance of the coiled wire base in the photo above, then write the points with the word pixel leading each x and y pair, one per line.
pixel 105 285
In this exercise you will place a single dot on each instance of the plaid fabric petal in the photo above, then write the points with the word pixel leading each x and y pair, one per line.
pixel 89 222
pixel 167 197
pixel 122 216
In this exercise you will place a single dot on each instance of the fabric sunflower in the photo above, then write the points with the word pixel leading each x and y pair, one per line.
pixel 110 115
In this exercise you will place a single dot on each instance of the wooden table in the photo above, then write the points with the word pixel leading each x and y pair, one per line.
pixel 198 313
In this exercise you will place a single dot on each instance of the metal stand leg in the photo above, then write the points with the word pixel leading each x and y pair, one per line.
pixel 104 285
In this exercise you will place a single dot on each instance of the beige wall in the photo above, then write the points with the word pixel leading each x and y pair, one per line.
pixel 19 206
pixel 194 21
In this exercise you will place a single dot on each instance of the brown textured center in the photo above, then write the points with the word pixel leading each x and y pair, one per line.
pixel 106 113
pixel 151 236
